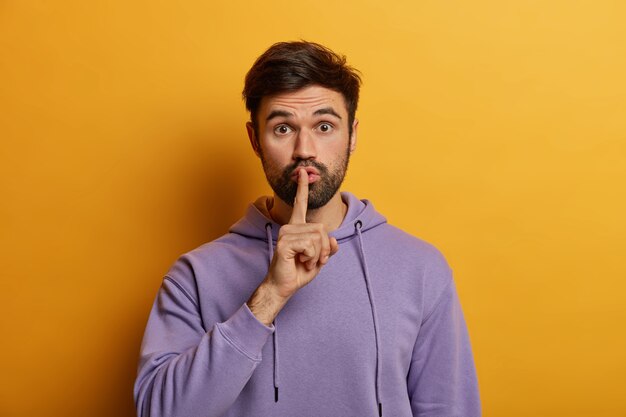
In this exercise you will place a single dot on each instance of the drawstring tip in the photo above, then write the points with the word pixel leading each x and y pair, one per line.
pixel 275 394
pixel 380 409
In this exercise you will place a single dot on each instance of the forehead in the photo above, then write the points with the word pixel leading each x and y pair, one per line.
pixel 303 102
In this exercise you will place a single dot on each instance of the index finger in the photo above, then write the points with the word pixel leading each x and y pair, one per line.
pixel 298 214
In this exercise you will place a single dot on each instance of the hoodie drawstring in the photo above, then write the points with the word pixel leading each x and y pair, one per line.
pixel 357 225
pixel 270 251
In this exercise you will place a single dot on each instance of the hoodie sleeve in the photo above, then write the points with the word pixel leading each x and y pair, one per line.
pixel 442 377
pixel 185 370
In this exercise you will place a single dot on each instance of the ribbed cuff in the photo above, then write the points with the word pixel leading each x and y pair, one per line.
pixel 246 332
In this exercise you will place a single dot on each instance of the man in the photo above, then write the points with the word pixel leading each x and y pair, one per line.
pixel 311 305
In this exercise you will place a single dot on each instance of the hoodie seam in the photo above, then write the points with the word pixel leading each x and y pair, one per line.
pixel 181 289
pixel 260 239
pixel 440 298
pixel 438 301
pixel 231 341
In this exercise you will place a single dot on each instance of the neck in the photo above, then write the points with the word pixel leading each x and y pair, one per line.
pixel 330 215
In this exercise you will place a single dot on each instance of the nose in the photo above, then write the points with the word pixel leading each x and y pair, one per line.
pixel 304 146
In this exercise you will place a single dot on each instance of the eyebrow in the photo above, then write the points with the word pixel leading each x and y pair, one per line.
pixel 327 110
pixel 278 113
pixel 282 113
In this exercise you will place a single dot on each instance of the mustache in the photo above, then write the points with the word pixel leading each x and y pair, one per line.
pixel 323 169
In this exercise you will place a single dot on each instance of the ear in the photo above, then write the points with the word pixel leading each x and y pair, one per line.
pixel 253 139
pixel 355 125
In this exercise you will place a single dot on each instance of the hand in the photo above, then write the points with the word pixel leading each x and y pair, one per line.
pixel 301 251
pixel 302 248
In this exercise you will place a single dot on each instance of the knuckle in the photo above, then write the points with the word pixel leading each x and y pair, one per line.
pixel 280 246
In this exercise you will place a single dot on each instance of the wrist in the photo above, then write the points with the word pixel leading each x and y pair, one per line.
pixel 266 302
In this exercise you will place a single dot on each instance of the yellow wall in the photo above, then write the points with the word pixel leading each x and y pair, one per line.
pixel 494 129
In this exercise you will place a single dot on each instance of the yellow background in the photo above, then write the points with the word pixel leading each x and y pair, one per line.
pixel 494 129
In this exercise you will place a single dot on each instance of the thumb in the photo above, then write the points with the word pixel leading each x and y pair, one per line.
pixel 334 246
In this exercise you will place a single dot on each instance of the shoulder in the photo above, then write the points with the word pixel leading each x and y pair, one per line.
pixel 408 248
pixel 413 259
pixel 210 261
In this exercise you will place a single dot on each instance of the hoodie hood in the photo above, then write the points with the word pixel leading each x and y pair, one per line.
pixel 253 224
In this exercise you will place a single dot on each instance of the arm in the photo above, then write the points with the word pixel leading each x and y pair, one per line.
pixel 185 370
pixel 302 250
pixel 442 378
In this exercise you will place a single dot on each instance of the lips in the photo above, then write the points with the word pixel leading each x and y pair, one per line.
pixel 312 173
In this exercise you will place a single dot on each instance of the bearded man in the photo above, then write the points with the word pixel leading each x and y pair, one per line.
pixel 312 304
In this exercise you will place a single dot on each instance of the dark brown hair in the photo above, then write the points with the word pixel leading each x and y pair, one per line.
pixel 290 66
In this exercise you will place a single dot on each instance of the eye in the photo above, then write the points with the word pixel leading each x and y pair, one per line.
pixel 325 127
pixel 282 130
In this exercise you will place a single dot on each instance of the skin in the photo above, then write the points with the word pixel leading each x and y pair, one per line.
pixel 308 124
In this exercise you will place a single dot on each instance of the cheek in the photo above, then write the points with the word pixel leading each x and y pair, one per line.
pixel 275 157
pixel 336 153
pixel 279 151
pixel 275 160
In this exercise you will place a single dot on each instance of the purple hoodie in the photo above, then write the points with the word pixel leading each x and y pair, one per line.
pixel 380 327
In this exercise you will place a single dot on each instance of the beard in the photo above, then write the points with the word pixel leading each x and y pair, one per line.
pixel 320 192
